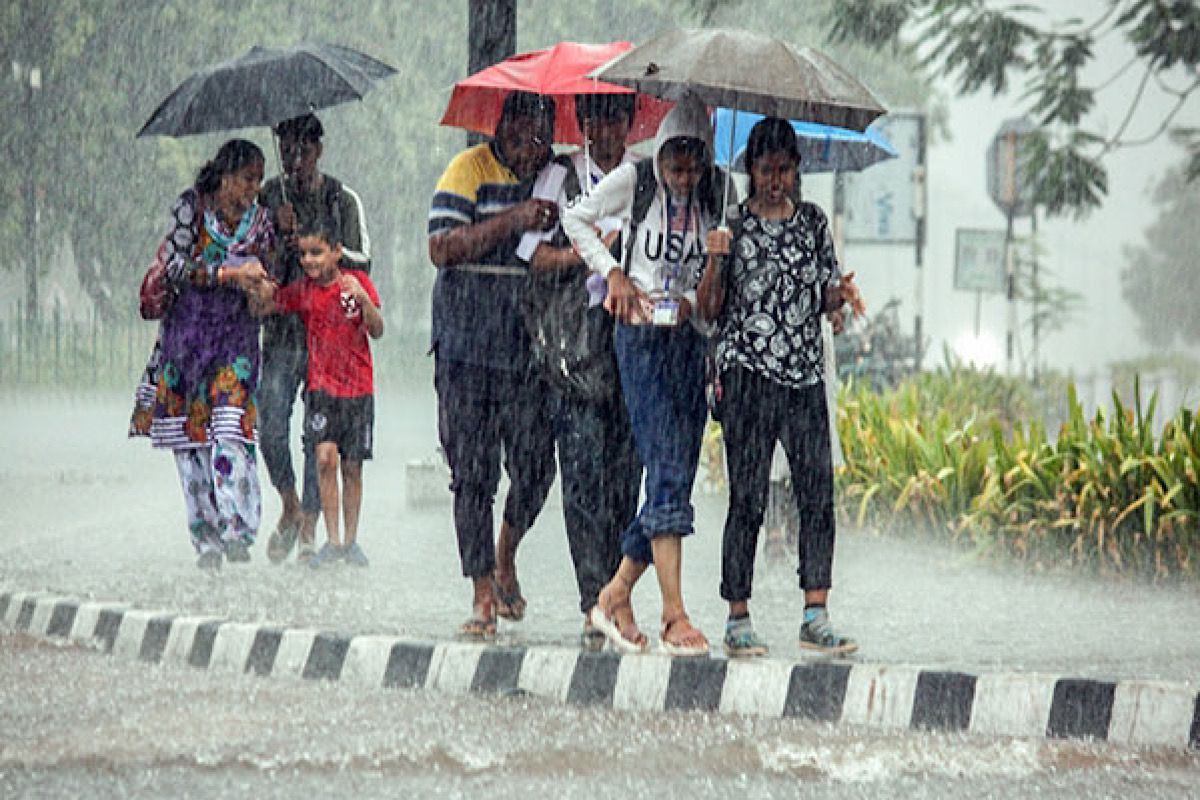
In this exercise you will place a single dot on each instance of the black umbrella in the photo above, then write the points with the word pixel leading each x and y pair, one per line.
pixel 265 86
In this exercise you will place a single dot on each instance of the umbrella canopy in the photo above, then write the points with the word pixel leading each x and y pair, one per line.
pixel 265 86
pixel 823 148
pixel 559 72
pixel 746 71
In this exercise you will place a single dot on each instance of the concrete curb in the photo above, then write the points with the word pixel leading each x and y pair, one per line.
pixel 1139 713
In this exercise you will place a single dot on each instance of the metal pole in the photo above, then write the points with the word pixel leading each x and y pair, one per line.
pixel 491 38
pixel 1036 292
pixel 1010 272
pixel 919 185
pixel 978 309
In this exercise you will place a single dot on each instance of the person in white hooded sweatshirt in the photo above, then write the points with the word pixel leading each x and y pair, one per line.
pixel 661 357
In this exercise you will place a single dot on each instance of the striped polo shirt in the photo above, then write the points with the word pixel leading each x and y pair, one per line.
pixel 476 315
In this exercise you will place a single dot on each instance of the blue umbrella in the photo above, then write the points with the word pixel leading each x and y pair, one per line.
pixel 823 148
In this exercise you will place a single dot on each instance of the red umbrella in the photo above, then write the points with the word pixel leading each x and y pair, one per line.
pixel 560 72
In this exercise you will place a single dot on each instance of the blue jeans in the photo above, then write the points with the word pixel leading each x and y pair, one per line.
pixel 284 369
pixel 662 376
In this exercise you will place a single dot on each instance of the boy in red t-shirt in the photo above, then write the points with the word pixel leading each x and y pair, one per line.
pixel 339 311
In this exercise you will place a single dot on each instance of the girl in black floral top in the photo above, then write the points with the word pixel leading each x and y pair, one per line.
pixel 767 286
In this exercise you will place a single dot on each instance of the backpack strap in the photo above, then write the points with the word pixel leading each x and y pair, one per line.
pixel 571 187
pixel 643 196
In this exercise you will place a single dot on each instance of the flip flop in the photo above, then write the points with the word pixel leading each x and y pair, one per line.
pixel 478 629
pixel 509 605
pixel 606 625
pixel 679 648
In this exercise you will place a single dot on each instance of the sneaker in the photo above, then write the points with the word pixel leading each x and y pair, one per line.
pixel 353 554
pixel 237 552
pixel 328 554
pixel 305 552
pixel 279 546
pixel 817 635
pixel 210 561
pixel 744 642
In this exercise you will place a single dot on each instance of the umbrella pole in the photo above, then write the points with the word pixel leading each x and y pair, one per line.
pixel 729 170
pixel 282 174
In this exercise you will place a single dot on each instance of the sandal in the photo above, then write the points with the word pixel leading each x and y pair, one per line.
pixel 481 627
pixel 690 643
pixel 626 638
pixel 510 605
pixel 591 640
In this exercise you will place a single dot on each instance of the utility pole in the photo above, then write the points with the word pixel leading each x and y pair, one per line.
pixel 491 37
pixel 30 80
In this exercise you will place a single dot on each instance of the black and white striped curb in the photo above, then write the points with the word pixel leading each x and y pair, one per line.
pixel 1141 713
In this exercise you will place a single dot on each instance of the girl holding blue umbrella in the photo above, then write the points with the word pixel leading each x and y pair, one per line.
pixel 766 288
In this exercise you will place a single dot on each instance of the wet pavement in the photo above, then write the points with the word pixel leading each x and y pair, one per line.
pixel 77 723
pixel 91 515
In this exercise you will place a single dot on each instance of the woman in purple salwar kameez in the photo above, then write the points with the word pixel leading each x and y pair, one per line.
pixel 199 399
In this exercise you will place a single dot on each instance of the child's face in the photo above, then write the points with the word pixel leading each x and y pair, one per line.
pixel 681 172
pixel 774 176
pixel 319 258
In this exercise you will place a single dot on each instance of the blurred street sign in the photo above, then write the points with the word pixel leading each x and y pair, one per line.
pixel 1006 181
pixel 979 260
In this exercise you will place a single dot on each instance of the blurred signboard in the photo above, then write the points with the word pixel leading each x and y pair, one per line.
pixel 979 260
pixel 878 201
pixel 1007 156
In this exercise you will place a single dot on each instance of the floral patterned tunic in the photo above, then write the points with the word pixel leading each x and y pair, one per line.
pixel 204 372
pixel 775 277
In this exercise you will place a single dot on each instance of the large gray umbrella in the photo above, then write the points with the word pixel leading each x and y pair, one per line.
pixel 748 72
pixel 265 86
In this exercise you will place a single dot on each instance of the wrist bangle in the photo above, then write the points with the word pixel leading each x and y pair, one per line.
pixel 220 275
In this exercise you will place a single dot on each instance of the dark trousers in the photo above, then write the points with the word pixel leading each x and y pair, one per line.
pixel 600 472
pixel 486 416
pixel 284 370
pixel 755 413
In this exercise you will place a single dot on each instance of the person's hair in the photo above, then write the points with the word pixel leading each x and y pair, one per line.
pixel 304 128
pixel 604 106
pixel 772 135
pixel 321 228
pixel 233 156
pixel 684 146
pixel 527 105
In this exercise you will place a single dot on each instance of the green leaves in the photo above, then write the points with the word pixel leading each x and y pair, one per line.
pixel 983 47
pixel 1105 493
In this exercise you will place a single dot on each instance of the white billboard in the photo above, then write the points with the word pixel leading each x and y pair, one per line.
pixel 878 204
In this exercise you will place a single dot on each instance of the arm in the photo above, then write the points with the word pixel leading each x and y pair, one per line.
pixel 356 240
pixel 710 295
pixel 182 268
pixel 466 243
pixel 372 317
pixel 612 197
pixel 548 258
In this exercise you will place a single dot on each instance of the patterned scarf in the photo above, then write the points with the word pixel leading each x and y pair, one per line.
pixel 215 245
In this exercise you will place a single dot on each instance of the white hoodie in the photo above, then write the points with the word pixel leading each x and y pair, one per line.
pixel 613 197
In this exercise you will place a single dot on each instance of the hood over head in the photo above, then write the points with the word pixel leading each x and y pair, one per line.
pixel 689 117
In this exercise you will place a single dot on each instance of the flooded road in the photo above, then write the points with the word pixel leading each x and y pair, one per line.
pixel 91 515
pixel 77 723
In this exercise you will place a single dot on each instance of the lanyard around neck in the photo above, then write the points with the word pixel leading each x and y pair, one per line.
pixel 675 267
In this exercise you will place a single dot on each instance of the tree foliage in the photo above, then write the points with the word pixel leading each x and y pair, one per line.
pixel 1160 280
pixel 987 47
pixel 105 66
